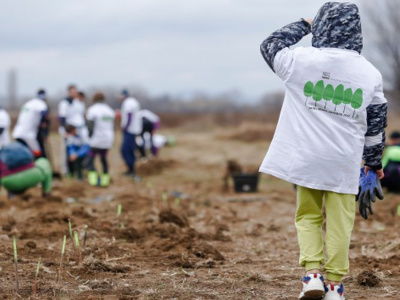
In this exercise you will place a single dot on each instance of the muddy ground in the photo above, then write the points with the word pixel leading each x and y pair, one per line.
pixel 212 244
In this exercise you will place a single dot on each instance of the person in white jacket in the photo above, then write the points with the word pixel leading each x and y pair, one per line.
pixel 332 118
pixel 131 126
pixel 100 118
pixel 31 119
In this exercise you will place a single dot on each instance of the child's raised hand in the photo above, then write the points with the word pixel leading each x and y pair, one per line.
pixel 309 21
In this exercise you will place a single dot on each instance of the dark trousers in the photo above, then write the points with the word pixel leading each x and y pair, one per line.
pixel 392 177
pixel 75 167
pixel 128 151
pixel 103 158
pixel 148 127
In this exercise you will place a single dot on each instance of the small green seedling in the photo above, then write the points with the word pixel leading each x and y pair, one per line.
pixel 63 245
pixel 85 237
pixel 16 264
pixel 119 213
pixel 77 246
pixel 62 256
pixel 398 210
pixel 71 234
pixel 37 268
pixel 177 201
pixel 34 288
pixel 76 239
pixel 164 197
pixel 70 228
pixel 119 210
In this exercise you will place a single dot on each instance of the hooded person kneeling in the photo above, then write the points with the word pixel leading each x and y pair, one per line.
pixel 19 172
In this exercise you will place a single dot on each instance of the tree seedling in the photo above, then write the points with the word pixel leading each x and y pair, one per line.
pixel 34 288
pixel 62 257
pixel 70 228
pixel 70 234
pixel 16 265
pixel 398 210
pixel 77 246
pixel 164 197
pixel 119 214
pixel 177 201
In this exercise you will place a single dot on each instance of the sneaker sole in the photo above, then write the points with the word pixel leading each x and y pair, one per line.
pixel 313 295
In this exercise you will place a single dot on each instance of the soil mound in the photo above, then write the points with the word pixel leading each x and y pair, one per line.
pixel 171 216
pixel 155 166
pixel 368 278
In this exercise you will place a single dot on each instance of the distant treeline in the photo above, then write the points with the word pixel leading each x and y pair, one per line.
pixel 195 103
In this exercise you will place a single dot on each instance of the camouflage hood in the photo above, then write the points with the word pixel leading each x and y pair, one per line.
pixel 337 25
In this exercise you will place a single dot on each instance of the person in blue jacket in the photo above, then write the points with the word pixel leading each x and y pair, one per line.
pixel 77 150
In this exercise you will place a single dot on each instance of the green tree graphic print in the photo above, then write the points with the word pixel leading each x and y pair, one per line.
pixel 348 95
pixel 338 96
pixel 308 90
pixel 317 91
pixel 328 93
pixel 357 100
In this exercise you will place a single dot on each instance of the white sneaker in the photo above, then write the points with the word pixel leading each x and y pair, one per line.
pixel 334 292
pixel 313 287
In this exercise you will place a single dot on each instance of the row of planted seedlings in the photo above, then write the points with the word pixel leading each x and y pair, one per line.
pixel 75 245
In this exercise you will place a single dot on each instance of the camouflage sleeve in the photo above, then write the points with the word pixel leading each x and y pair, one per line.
pixel 287 36
pixel 375 136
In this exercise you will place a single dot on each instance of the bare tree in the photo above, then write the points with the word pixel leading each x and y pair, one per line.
pixel 383 21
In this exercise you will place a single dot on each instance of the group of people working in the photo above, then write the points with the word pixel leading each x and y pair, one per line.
pixel 85 134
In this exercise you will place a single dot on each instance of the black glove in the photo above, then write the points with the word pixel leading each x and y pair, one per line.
pixel 370 188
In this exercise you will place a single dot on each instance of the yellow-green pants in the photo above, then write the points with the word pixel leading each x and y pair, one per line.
pixel 340 215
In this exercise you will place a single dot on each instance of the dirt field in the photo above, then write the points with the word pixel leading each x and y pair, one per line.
pixel 213 244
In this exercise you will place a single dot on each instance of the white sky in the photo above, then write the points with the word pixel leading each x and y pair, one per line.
pixel 174 46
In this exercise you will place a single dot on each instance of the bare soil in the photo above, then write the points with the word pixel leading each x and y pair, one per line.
pixel 209 244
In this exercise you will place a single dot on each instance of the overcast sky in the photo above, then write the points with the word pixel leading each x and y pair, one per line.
pixel 174 46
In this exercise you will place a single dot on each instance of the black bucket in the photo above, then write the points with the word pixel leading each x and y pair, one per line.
pixel 245 183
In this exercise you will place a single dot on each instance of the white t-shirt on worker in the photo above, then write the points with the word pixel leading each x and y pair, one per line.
pixel 74 112
pixel 319 141
pixel 131 106
pixel 5 123
pixel 29 119
pixel 103 131
pixel 149 115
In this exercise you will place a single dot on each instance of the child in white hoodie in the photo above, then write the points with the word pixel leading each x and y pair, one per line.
pixel 333 117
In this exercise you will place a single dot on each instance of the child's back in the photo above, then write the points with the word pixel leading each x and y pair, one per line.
pixel 333 116
pixel 332 95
